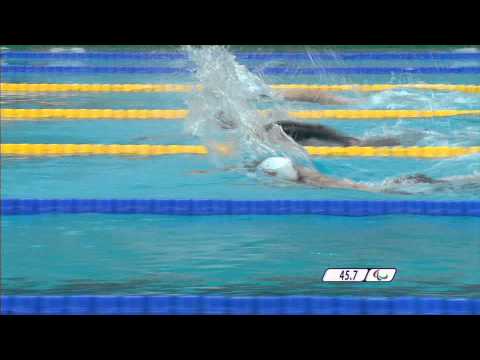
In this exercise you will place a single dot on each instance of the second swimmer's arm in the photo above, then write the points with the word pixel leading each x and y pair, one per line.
pixel 315 96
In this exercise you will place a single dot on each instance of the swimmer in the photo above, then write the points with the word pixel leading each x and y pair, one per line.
pixel 317 135
pixel 314 134
pixel 310 134
pixel 284 169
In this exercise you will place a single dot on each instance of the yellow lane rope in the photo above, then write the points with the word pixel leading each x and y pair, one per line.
pixel 139 114
pixel 381 87
pixel 78 114
pixel 29 87
pixel 115 149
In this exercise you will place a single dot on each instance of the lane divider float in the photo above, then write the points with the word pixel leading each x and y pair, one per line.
pixel 151 150
pixel 172 114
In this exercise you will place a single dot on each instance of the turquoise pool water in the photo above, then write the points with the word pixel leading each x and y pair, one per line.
pixel 243 255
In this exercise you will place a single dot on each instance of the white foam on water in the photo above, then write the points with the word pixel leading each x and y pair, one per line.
pixel 224 115
pixel 420 99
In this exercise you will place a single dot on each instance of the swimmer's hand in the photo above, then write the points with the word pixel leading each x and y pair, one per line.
pixel 224 149
pixel 228 168
pixel 146 139
pixel 142 138
pixel 396 192
pixel 199 172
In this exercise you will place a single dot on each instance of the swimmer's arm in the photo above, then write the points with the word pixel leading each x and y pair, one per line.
pixel 311 177
pixel 314 96
pixel 224 169
pixel 211 171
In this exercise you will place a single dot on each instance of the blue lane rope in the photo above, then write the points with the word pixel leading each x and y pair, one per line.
pixel 265 71
pixel 239 207
pixel 248 305
pixel 94 69
pixel 346 56
pixel 371 70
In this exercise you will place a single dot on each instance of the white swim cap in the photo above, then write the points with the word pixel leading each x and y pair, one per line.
pixel 279 166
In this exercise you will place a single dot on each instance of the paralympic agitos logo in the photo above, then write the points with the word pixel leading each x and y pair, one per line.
pixel 376 274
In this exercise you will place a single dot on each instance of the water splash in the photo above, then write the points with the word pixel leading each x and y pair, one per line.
pixel 420 99
pixel 225 117
pixel 465 184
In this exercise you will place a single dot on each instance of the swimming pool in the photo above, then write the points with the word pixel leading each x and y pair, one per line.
pixel 245 255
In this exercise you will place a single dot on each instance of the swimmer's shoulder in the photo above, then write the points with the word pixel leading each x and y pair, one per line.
pixel 311 176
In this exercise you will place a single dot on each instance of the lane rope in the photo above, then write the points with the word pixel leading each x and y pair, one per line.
pixel 305 56
pixel 30 87
pixel 150 150
pixel 240 207
pixel 265 71
pixel 241 305
pixel 169 114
